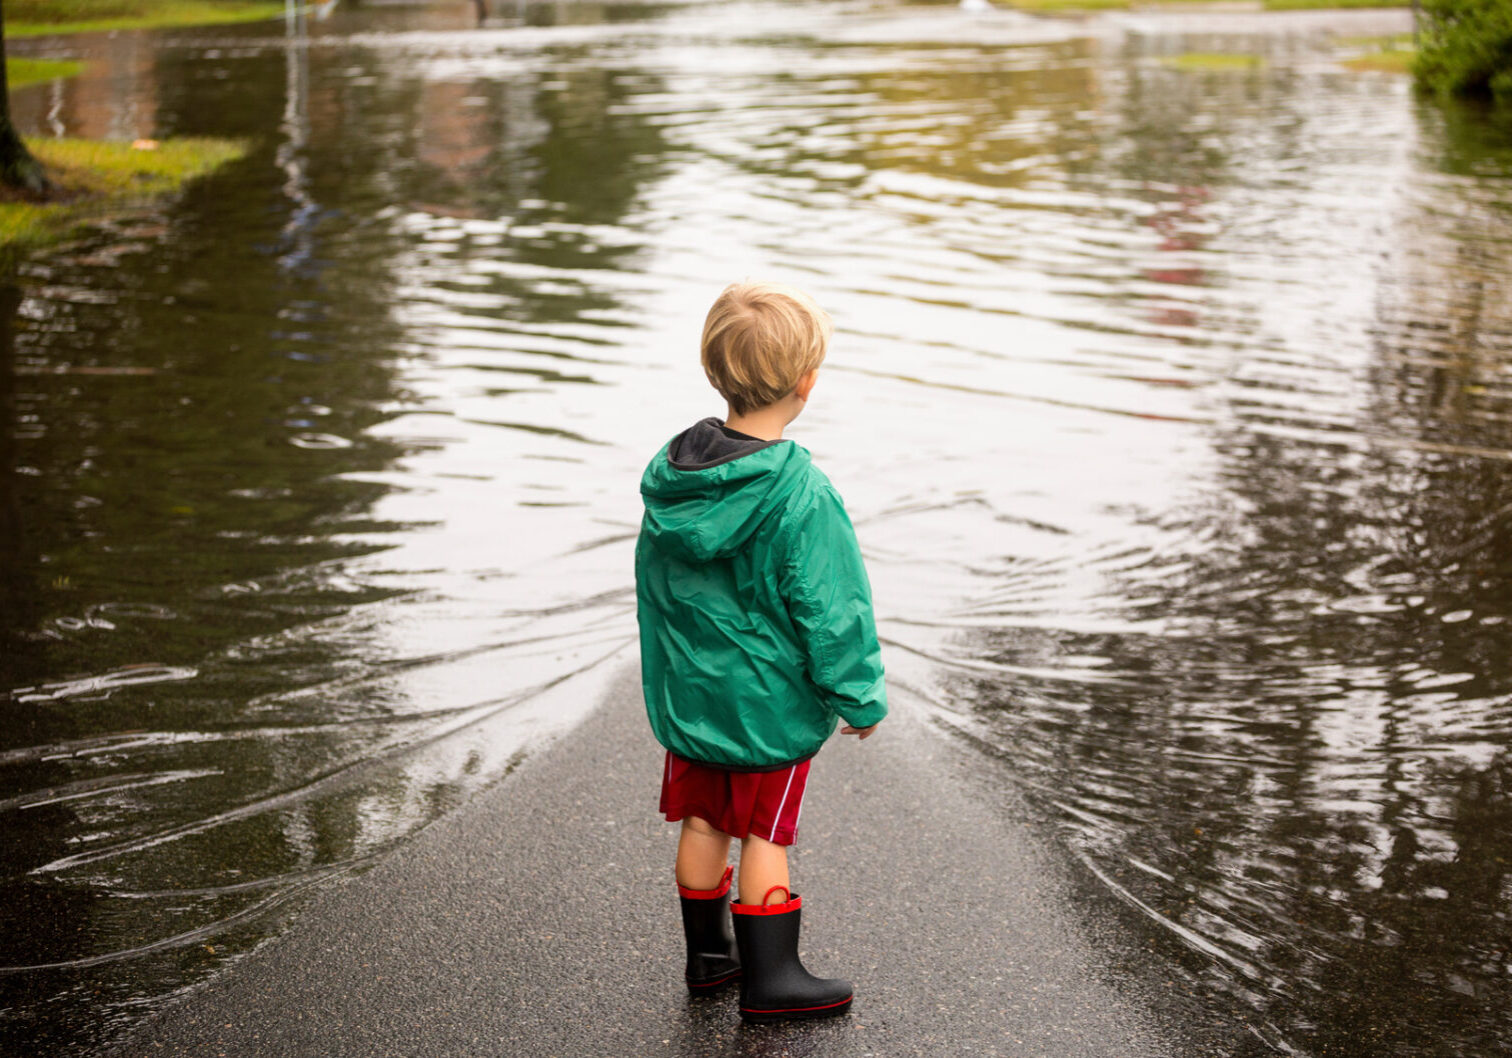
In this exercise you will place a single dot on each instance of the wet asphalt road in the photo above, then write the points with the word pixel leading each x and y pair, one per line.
pixel 541 919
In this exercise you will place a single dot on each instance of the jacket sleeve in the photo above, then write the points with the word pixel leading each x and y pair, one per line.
pixel 824 584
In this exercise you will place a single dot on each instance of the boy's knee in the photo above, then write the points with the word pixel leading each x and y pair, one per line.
pixel 761 846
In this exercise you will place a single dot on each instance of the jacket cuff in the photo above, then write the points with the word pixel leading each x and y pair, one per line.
pixel 864 715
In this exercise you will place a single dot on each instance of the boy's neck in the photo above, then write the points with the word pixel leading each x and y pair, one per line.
pixel 766 423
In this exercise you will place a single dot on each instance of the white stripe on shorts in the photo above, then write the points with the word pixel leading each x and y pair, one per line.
pixel 783 804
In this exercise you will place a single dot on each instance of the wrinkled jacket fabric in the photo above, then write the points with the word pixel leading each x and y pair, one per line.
pixel 755 612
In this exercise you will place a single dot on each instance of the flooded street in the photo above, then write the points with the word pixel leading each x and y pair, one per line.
pixel 1173 406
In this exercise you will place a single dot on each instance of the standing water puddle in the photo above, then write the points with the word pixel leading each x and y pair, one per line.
pixel 1172 406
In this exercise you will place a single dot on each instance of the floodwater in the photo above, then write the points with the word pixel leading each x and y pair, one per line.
pixel 1173 406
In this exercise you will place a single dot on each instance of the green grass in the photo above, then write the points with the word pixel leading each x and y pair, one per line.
pixel 1213 60
pixel 21 72
pixel 110 167
pixel 1399 61
pixel 91 176
pixel 30 18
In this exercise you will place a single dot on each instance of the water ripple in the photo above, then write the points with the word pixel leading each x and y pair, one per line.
pixel 103 685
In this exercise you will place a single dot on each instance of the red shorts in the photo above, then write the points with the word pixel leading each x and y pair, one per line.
pixel 740 803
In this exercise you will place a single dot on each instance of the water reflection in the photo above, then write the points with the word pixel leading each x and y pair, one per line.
pixel 1292 757
pixel 243 666
pixel 17 592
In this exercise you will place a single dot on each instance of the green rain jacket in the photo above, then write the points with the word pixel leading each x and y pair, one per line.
pixel 756 623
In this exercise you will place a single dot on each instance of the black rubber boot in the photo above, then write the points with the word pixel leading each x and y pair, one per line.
pixel 712 963
pixel 776 987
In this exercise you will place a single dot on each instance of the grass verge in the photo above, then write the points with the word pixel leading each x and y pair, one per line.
pixel 31 18
pixel 21 72
pixel 1382 61
pixel 1213 60
pixel 90 176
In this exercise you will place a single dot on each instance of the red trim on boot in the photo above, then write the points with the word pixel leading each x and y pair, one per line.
pixel 708 894
pixel 797 1010
pixel 702 986
pixel 793 904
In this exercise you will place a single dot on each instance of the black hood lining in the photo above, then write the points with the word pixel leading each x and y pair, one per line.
pixel 708 443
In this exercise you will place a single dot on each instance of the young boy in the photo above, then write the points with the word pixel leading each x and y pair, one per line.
pixel 756 633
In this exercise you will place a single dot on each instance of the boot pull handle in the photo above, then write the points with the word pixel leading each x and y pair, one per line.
pixel 787 894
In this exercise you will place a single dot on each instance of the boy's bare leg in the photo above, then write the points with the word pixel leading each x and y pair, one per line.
pixel 702 853
pixel 762 865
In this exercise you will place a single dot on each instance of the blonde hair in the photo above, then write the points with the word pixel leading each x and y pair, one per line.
pixel 759 339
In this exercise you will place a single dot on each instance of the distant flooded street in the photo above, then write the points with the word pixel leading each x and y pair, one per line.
pixel 1173 404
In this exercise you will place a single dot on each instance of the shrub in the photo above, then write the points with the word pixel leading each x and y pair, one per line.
pixel 1466 48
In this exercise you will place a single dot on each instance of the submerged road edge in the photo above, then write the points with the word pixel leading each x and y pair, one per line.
pixel 540 918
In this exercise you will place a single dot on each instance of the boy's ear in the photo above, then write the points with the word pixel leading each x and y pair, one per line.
pixel 805 384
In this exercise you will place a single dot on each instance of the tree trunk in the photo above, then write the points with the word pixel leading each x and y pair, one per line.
pixel 17 166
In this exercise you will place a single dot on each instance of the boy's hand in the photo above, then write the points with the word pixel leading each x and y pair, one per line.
pixel 859 732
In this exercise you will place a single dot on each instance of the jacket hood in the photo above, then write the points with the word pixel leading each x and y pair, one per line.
pixel 707 492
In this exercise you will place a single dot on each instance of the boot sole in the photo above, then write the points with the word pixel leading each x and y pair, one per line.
pixel 708 988
pixel 828 1010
